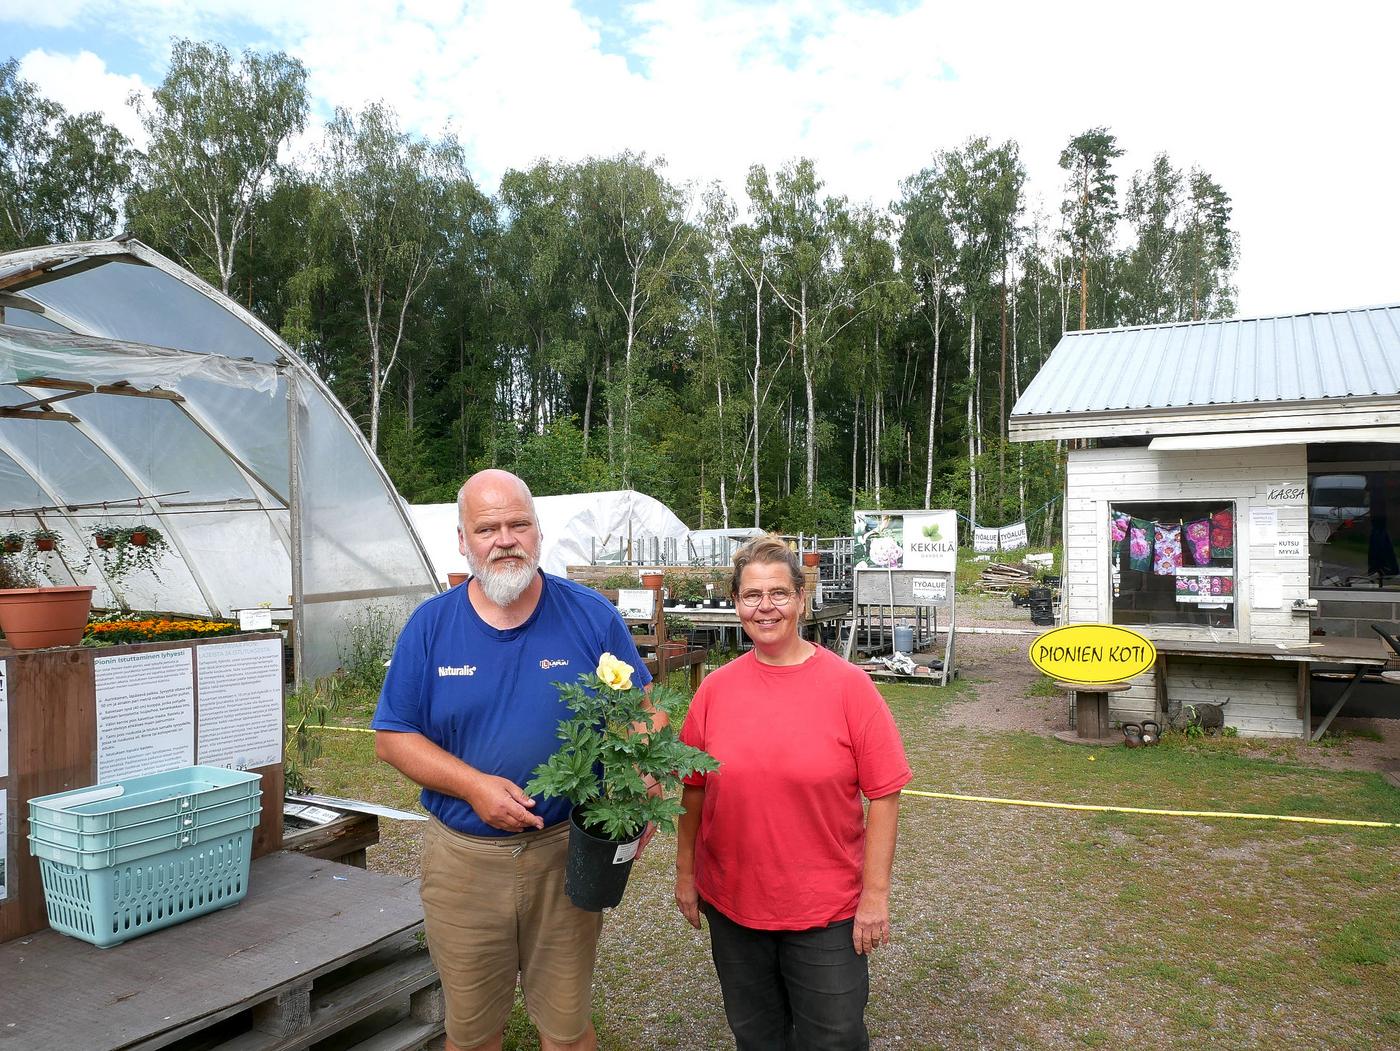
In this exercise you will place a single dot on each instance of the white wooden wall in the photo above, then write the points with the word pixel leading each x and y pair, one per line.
pixel 1097 478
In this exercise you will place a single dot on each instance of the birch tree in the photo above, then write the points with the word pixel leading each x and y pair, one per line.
pixel 640 233
pixel 62 177
pixel 388 192
pixel 926 254
pixel 214 130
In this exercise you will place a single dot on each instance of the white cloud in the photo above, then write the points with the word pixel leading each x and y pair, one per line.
pixel 1287 109
pixel 82 83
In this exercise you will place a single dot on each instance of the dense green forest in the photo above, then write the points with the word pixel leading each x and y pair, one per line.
pixel 596 324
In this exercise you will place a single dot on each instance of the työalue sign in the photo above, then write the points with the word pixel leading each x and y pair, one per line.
pixel 1092 653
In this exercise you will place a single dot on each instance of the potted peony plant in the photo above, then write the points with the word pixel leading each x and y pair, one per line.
pixel 606 768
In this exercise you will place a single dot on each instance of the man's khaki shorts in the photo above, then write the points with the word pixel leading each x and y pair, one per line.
pixel 495 907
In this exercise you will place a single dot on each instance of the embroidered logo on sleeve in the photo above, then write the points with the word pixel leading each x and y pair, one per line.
pixel 447 670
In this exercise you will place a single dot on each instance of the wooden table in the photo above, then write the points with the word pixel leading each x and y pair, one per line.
pixel 314 948
pixel 1364 655
pixel 727 620
pixel 1090 703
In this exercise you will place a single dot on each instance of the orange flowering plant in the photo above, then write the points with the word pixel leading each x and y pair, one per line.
pixel 152 627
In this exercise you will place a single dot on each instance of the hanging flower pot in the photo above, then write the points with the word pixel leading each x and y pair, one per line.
pixel 139 537
pixel 44 543
pixel 33 618
pixel 106 541
pixel 13 543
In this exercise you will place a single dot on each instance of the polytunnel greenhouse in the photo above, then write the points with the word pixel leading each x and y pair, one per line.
pixel 133 393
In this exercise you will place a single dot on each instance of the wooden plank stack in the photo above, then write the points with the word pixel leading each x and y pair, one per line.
pixel 1001 578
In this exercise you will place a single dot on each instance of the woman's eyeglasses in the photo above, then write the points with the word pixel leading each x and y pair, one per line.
pixel 778 596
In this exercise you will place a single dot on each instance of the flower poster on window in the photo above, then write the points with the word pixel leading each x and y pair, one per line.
pixel 1205 586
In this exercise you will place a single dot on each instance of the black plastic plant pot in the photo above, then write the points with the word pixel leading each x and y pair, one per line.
pixel 595 876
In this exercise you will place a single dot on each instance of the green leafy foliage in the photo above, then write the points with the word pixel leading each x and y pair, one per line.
pixel 602 763
pixel 776 359
pixel 124 550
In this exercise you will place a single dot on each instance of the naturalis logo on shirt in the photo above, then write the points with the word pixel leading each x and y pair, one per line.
pixel 448 670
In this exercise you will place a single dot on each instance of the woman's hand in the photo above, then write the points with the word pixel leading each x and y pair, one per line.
pixel 872 926
pixel 687 900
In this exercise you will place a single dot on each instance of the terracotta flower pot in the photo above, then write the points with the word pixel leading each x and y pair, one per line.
pixel 139 538
pixel 14 546
pixel 811 558
pixel 104 541
pixel 453 579
pixel 33 618
pixel 44 543
pixel 652 580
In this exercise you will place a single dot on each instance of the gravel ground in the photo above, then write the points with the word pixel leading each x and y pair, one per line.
pixel 1047 929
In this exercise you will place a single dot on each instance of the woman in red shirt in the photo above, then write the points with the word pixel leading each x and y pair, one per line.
pixel 774 848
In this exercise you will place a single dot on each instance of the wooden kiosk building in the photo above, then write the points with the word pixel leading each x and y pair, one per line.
pixel 1232 492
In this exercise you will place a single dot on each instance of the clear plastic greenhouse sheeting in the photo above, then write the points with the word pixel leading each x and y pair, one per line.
pixel 212 471
pixel 115 300
pixel 26 353
pixel 350 561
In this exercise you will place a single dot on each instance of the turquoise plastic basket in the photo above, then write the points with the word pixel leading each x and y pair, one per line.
pixel 109 906
pixel 138 800
pixel 98 850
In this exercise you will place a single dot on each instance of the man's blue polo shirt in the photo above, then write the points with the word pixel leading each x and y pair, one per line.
pixel 488 695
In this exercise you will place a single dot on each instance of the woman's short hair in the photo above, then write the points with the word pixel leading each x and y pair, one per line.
pixel 770 550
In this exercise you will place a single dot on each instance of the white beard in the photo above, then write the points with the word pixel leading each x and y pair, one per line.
pixel 500 584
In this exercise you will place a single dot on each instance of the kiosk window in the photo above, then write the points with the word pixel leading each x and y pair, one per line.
pixel 1173 563
pixel 1354 525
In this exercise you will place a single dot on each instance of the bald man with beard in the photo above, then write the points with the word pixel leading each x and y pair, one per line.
pixel 468 711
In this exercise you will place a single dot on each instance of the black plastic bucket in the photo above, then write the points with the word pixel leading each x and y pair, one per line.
pixel 595 876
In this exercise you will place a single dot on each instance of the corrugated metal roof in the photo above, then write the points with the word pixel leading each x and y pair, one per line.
pixel 1302 357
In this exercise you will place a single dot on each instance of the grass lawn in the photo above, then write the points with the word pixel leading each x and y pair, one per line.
pixel 1028 928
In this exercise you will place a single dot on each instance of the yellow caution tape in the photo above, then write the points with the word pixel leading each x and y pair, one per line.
pixel 1149 810
pixel 1093 807
pixel 328 726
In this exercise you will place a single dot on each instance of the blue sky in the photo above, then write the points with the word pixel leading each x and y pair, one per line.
pixel 1285 104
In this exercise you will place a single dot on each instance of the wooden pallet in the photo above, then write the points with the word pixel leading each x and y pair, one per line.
pixel 389 1000
pixel 318 957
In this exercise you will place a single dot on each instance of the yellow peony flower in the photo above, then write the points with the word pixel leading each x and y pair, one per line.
pixel 614 673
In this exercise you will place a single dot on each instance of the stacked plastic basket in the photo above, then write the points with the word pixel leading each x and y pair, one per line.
pixel 123 859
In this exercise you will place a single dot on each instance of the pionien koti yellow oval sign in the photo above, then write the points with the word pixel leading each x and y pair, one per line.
pixel 1093 653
